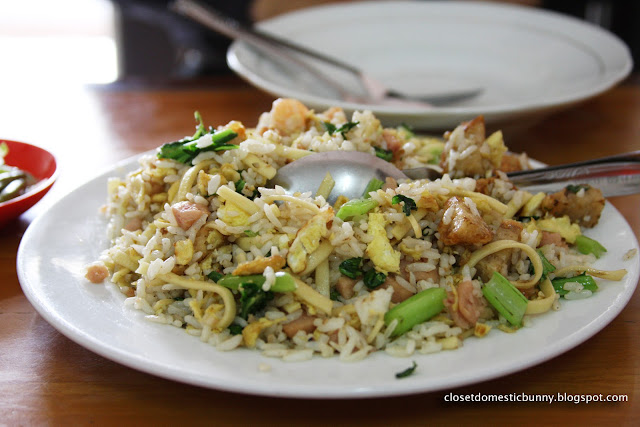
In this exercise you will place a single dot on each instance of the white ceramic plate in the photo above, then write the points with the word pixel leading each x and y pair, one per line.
pixel 59 244
pixel 528 61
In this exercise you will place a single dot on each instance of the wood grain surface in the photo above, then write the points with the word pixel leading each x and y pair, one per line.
pixel 47 379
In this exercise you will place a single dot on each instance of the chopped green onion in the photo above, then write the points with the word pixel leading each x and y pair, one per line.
pixel 416 309
pixel 408 203
pixel 407 129
pixel 410 370
pixel 585 280
pixel 374 185
pixel 352 267
pixel 586 245
pixel 373 279
pixel 356 207
pixel 435 151
pixel 384 154
pixel 250 233
pixel 284 281
pixel 505 298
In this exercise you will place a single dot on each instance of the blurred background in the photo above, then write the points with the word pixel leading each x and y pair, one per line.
pixel 106 41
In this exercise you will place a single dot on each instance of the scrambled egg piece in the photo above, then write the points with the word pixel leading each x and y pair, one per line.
pixel 308 239
pixel 384 257
pixel 373 306
pixel 184 251
pixel 561 226
pixel 251 332
pixel 231 214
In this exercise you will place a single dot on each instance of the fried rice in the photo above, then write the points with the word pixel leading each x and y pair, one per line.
pixel 199 242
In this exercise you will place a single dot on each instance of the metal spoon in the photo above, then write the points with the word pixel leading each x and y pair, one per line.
pixel 373 91
pixel 617 175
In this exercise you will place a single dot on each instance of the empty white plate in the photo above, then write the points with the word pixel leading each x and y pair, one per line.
pixel 526 60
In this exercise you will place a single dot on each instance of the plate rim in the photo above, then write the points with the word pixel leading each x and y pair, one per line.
pixel 299 391
pixel 611 79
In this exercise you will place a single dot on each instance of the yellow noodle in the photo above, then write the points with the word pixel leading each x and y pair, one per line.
pixel 500 245
pixel 225 294
pixel 542 305
pixel 603 274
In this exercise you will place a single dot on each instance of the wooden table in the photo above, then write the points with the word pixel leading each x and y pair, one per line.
pixel 45 377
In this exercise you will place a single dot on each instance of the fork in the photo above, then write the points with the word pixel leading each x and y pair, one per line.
pixel 375 92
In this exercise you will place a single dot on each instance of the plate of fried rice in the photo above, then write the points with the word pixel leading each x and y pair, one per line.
pixel 185 263
pixel 509 53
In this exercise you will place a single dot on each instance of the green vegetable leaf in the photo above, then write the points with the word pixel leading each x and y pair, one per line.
pixel 334 295
pixel 384 154
pixel 505 298
pixel 585 280
pixel 240 185
pixel 409 203
pixel 235 329
pixel 547 267
pixel 351 267
pixel 415 310
pixel 186 149
pixel 374 185
pixel 586 245
pixel 373 279
pixel 252 299
pixel 355 207
pixel 333 129
pixel 407 129
pixel 250 233
pixel 215 276
pixel 410 370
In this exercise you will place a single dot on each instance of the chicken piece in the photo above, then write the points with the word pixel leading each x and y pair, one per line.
pixel 187 213
pixel 470 305
pixel 380 252
pixel 345 286
pixel 308 239
pixel 583 207
pixel 485 185
pixel 500 261
pixel 549 238
pixel 302 323
pixel 258 265
pixel 97 273
pixel 461 226
pixel 400 293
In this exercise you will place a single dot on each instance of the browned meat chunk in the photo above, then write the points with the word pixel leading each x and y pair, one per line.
pixel 97 273
pixel 549 238
pixel 302 323
pixel 510 163
pixel 400 293
pixel 500 261
pixel 473 134
pixel 461 226
pixel 344 286
pixel 133 224
pixel 470 306
pixel 583 207
pixel 187 213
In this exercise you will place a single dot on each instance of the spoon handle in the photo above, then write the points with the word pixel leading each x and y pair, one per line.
pixel 617 175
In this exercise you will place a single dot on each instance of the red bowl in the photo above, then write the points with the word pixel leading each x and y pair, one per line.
pixel 39 163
